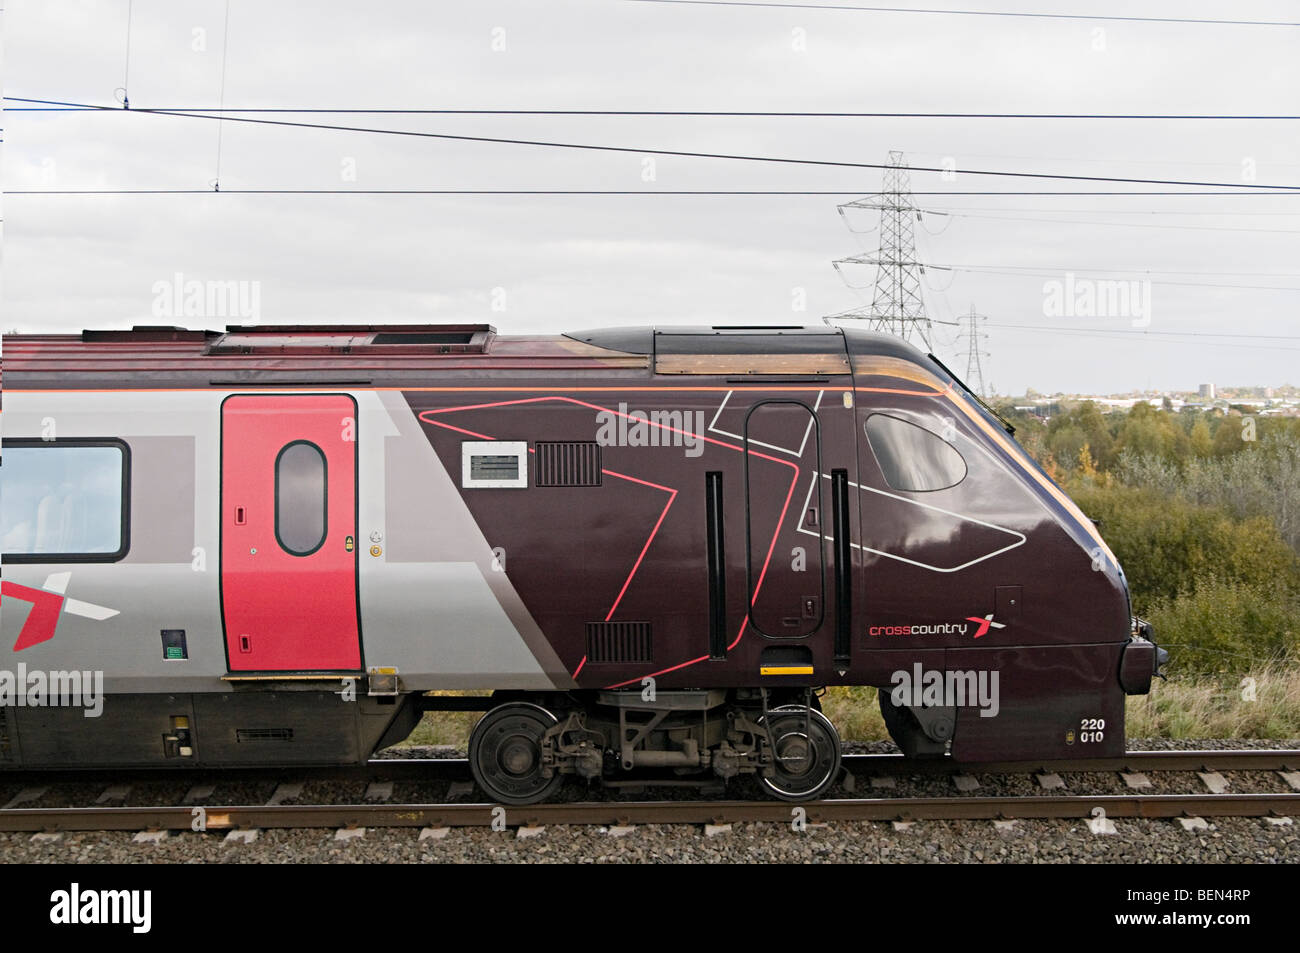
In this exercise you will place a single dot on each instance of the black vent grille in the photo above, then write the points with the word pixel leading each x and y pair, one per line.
pixel 570 463
pixel 619 642
pixel 243 735
pixel 6 751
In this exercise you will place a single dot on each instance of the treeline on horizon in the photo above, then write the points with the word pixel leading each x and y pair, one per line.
pixel 1202 510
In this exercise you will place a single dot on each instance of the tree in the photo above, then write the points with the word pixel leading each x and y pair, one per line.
pixel 1227 436
pixel 1202 443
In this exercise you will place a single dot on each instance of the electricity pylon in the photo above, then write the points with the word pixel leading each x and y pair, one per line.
pixel 896 304
pixel 974 369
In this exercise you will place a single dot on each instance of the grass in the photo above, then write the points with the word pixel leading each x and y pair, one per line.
pixel 1183 707
pixel 1220 706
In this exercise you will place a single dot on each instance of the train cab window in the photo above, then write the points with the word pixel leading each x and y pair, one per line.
pixel 494 464
pixel 64 501
pixel 912 458
pixel 300 498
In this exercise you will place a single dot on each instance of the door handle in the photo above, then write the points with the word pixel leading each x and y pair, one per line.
pixel 240 516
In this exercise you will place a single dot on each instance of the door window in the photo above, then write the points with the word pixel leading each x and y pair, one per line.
pixel 300 498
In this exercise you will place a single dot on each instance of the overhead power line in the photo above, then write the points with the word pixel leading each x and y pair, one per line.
pixel 699 192
pixel 225 49
pixel 1144 333
pixel 1076 221
pixel 968 13
pixel 679 153
pixel 126 66
pixel 1113 211
pixel 1113 334
pixel 1062 269
pixel 660 113
pixel 1044 273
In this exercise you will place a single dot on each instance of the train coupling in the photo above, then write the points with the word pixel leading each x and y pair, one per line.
pixel 1141 659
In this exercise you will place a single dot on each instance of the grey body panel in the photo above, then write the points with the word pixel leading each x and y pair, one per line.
pixel 431 604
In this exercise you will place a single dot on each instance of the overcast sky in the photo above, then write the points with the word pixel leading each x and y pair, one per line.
pixel 559 263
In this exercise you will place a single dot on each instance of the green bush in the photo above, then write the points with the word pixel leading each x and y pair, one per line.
pixel 1219 626
pixel 1168 546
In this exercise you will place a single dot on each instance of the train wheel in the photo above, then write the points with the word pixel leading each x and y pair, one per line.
pixel 807 753
pixel 906 730
pixel 505 754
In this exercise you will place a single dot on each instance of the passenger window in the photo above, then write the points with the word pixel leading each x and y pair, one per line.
pixel 64 500
pixel 300 498
pixel 912 458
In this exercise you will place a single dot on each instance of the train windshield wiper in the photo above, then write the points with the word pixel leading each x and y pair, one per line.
pixel 1006 424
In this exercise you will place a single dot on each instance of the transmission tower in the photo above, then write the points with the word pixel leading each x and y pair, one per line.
pixel 896 305
pixel 974 337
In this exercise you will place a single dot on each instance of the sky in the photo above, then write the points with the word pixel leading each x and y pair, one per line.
pixel 1216 278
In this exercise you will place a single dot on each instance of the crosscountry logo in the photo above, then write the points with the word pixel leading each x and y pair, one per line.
pixel 983 625
pixel 48 603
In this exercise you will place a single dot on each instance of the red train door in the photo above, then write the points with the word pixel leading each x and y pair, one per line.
pixel 288 532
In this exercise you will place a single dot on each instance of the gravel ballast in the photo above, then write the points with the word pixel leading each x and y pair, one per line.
pixel 1135 841
pixel 1228 840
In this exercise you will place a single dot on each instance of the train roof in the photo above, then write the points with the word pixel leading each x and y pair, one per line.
pixel 405 354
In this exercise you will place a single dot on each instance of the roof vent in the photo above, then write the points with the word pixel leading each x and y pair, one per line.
pixel 389 339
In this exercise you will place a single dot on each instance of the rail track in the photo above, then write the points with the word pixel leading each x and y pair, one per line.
pixel 213 817
pixel 858 765
pixel 645 812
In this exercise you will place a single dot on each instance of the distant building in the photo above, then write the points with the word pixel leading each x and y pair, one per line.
pixel 1206 390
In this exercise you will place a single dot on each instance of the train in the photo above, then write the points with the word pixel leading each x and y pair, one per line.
pixel 630 549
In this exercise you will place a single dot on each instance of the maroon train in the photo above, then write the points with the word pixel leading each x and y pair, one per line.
pixel 633 548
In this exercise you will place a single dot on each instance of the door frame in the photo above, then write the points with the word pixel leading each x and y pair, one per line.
pixel 750 594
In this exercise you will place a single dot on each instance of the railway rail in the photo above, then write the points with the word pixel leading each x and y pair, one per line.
pixel 614 812
pixel 858 765
pixel 645 812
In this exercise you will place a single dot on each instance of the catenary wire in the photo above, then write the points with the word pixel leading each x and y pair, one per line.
pixel 678 153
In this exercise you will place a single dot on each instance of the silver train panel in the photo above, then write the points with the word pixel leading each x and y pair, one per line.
pixel 433 565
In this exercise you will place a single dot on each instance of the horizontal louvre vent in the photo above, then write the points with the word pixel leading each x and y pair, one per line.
pixel 243 735
pixel 619 642
pixel 435 337
pixel 6 751
pixel 568 463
